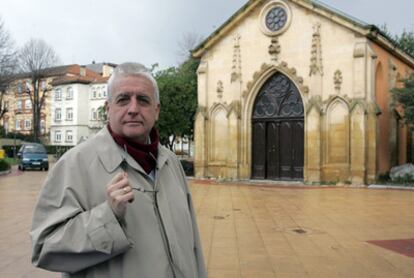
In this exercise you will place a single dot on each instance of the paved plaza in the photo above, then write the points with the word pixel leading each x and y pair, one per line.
pixel 259 230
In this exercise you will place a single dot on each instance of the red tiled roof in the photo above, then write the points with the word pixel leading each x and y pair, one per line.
pixel 62 80
pixel 101 80
pixel 73 69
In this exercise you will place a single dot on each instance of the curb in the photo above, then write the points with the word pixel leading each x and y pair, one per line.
pixel 3 173
pixel 380 186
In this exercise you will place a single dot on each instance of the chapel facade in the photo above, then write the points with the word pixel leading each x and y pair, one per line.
pixel 295 90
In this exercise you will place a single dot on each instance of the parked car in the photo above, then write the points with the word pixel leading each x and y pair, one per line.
pixel 33 156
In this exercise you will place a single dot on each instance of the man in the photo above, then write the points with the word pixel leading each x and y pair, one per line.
pixel 118 205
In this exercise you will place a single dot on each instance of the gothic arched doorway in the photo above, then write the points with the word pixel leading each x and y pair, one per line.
pixel 278 131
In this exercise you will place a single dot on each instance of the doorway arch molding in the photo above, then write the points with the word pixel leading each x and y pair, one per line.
pixel 248 99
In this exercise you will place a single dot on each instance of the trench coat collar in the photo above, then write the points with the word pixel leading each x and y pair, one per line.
pixel 111 154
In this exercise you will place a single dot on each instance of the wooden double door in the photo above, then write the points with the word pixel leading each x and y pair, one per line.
pixel 278 131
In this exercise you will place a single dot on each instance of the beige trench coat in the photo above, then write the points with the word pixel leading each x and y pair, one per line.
pixel 74 230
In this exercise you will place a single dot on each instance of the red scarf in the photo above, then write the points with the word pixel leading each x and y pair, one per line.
pixel 144 154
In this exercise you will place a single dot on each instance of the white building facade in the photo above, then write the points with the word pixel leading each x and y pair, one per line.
pixel 96 106
pixel 78 106
pixel 70 117
pixel 77 112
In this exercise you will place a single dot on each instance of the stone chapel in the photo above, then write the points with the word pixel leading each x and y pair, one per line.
pixel 296 90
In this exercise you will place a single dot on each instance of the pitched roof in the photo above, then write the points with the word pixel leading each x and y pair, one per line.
pixel 73 69
pixel 101 80
pixel 98 67
pixel 76 79
pixel 71 79
pixel 370 31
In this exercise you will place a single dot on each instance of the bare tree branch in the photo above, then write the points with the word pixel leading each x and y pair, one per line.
pixel 36 58
pixel 187 43
pixel 8 59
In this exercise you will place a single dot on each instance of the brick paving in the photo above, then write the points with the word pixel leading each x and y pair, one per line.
pixel 257 230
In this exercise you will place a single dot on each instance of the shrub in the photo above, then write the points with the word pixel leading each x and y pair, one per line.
pixel 9 150
pixel 384 178
pixel 188 167
pixel 4 166
pixel 59 150
pixel 406 179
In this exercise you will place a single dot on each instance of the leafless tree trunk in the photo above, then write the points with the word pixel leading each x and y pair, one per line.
pixel 188 42
pixel 35 58
pixel 8 59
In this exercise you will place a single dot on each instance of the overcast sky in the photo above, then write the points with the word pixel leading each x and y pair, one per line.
pixel 148 31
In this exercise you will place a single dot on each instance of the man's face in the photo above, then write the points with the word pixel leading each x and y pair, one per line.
pixel 133 109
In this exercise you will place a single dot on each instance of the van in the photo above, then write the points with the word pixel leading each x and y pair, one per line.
pixel 33 156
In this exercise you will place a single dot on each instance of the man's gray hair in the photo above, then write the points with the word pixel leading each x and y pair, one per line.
pixel 134 69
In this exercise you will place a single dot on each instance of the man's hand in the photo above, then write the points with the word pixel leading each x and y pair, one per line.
pixel 119 193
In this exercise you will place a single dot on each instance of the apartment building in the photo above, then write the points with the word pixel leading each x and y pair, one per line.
pixel 19 117
pixel 76 106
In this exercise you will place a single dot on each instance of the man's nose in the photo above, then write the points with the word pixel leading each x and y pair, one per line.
pixel 133 107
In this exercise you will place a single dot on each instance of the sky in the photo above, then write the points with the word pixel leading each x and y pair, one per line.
pixel 149 31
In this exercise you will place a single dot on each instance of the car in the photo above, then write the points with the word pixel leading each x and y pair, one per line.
pixel 33 156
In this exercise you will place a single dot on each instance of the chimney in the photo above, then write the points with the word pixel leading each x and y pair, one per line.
pixel 82 71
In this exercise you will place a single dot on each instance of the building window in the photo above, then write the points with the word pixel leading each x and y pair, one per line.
pixel 93 114
pixel 275 18
pixel 58 94
pixel 58 114
pixel 93 93
pixel 58 136
pixel 28 104
pixel 69 136
pixel 19 87
pixel 28 87
pixel 17 125
pixel 6 127
pixel 42 126
pixel 99 93
pixel 69 93
pixel 69 114
pixel 19 105
pixel 27 124
pixel 104 92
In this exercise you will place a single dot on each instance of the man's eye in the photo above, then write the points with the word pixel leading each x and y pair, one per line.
pixel 122 100
pixel 143 101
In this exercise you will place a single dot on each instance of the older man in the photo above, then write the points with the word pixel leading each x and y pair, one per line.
pixel 118 205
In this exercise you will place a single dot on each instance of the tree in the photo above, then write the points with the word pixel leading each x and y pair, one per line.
pixel 187 43
pixel 35 58
pixel 178 96
pixel 7 64
pixel 406 41
pixel 404 96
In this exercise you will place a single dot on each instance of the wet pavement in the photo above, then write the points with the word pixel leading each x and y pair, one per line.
pixel 259 230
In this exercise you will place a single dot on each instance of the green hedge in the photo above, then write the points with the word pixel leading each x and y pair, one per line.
pixel 9 150
pixel 4 166
pixel 58 150
pixel 188 167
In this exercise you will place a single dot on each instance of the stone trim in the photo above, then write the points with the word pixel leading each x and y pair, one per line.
pixel 283 68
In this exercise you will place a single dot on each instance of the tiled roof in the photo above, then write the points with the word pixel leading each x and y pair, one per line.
pixel 98 67
pixel 73 69
pixel 62 80
pixel 101 80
